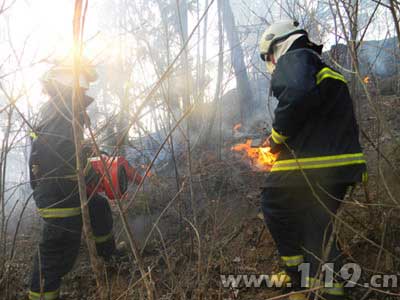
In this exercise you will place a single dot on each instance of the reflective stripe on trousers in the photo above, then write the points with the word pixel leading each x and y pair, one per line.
pixel 365 177
pixel 319 162
pixel 59 212
pixel 53 295
pixel 103 238
pixel 337 289
pixel 293 261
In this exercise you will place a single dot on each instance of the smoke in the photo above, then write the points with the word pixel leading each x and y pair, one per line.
pixel 380 58
pixel 377 58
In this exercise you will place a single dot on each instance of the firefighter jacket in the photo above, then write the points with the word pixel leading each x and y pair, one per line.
pixel 314 127
pixel 53 148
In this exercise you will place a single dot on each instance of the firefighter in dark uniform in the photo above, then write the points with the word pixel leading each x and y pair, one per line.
pixel 55 189
pixel 315 135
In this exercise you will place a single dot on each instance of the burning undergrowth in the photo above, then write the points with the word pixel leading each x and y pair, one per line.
pixel 255 151
pixel 259 158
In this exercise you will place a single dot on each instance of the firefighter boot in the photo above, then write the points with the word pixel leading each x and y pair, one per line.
pixel 279 280
pixel 335 292
pixel 287 280
pixel 121 253
pixel 297 296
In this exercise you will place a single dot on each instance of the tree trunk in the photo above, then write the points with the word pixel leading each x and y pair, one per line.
pixel 97 265
pixel 238 63
pixel 201 76
pixel 4 150
pixel 394 10
pixel 183 22
pixel 220 73
pixel 123 122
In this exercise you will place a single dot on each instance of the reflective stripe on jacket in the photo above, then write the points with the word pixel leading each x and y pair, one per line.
pixel 319 162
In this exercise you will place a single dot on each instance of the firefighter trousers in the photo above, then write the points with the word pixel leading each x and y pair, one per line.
pixel 302 227
pixel 60 243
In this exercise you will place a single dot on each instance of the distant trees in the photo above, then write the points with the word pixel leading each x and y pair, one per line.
pixel 238 62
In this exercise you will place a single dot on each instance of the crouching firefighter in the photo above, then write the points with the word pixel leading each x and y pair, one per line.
pixel 55 187
pixel 315 135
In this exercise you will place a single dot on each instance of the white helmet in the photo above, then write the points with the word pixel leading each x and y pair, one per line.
pixel 63 74
pixel 278 32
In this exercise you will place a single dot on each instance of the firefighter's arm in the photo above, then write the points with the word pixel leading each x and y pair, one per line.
pixel 294 85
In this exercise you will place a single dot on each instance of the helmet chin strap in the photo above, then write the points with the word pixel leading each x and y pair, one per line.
pixel 270 67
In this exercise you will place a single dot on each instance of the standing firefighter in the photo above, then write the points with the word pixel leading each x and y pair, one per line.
pixel 55 188
pixel 315 134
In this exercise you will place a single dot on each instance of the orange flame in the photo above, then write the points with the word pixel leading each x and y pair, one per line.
pixel 237 127
pixel 366 79
pixel 144 167
pixel 261 158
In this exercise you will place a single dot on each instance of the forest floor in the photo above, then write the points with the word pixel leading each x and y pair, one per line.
pixel 187 257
